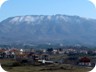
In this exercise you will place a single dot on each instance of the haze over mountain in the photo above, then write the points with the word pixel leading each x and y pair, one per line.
pixel 48 28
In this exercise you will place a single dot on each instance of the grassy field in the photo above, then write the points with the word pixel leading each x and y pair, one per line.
pixel 6 64
pixel 45 69
pixel 13 66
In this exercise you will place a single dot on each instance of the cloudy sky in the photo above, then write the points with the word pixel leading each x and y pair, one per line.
pixel 81 8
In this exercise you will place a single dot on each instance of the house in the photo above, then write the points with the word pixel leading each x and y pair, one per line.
pixel 45 62
pixel 45 57
pixel 2 53
pixel 84 61
pixel 84 51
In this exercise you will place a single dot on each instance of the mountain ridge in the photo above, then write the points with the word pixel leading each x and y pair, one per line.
pixel 48 28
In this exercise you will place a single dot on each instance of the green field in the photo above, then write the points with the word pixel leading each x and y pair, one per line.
pixel 46 69
pixel 7 65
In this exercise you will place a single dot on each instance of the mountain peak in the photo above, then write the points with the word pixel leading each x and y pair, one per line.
pixel 30 19
pixel 48 28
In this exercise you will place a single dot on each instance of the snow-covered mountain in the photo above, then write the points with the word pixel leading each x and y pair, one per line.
pixel 48 28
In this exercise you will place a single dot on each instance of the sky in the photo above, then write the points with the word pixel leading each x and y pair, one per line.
pixel 82 8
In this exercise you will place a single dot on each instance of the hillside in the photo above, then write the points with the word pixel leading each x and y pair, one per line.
pixel 48 28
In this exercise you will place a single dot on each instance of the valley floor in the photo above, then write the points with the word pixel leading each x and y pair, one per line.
pixel 53 68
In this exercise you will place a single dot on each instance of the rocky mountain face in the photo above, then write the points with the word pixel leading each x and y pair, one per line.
pixel 48 28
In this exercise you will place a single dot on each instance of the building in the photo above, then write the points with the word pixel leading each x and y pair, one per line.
pixel 84 61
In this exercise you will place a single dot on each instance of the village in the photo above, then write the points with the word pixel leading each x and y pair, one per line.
pixel 71 55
